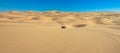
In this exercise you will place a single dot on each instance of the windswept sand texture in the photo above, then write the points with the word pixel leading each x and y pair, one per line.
pixel 40 32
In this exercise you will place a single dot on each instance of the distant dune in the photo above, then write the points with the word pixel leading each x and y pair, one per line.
pixel 62 18
pixel 59 32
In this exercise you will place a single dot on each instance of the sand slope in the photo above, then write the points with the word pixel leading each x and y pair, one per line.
pixel 40 32
pixel 40 38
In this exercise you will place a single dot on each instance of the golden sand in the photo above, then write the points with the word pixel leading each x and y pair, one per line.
pixel 40 32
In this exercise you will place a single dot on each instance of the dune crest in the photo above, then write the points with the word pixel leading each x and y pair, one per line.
pixel 62 18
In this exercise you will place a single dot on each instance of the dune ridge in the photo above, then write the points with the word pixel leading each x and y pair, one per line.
pixel 63 18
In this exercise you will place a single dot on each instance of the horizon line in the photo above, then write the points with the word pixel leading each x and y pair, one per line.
pixel 53 10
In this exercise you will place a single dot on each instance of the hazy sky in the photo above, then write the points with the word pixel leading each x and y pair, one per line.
pixel 61 5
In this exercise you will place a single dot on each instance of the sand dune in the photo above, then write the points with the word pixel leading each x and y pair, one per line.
pixel 40 32
pixel 62 17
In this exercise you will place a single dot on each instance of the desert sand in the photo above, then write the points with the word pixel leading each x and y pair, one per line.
pixel 41 32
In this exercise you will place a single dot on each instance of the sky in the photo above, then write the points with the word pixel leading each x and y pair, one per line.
pixel 60 5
